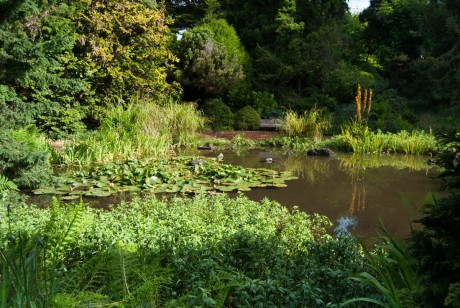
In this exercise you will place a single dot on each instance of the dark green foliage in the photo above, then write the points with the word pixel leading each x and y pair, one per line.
pixel 24 158
pixel 247 119
pixel 186 14
pixel 449 159
pixel 212 60
pixel 62 122
pixel 262 101
pixel 436 246
pixel 219 114
pixel 390 113
pixel 37 39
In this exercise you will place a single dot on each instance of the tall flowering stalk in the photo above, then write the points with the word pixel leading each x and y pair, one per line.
pixel 363 104
pixel 358 104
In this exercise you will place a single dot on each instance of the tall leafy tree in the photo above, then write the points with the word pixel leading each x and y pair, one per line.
pixel 438 66
pixel 186 13
pixel 392 35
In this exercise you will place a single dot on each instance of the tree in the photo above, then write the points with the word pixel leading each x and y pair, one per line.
pixel 437 69
pixel 36 41
pixel 123 49
pixel 212 60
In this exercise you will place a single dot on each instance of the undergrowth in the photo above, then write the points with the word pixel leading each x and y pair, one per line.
pixel 205 251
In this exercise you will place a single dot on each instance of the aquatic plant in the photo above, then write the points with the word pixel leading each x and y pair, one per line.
pixel 178 174
pixel 362 140
pixel 136 131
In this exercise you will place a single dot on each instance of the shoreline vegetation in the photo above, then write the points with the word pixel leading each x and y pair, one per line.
pixel 129 85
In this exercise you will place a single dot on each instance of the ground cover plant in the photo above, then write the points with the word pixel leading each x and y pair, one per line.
pixel 207 251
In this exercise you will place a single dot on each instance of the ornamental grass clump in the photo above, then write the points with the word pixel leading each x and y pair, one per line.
pixel 140 130
pixel 311 124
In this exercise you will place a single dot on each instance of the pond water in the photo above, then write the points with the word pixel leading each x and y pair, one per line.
pixel 355 193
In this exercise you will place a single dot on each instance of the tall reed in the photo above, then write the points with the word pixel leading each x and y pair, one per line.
pixel 310 124
pixel 137 131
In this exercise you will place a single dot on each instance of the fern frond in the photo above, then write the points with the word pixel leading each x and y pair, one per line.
pixel 6 185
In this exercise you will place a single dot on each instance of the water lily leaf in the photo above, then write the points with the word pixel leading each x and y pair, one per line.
pixel 244 188
pixel 46 191
pixel 72 197
pixel 174 189
pixel 226 188
pixel 98 193
pixel 134 188
pixel 64 188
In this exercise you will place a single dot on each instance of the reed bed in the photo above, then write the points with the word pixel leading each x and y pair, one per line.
pixel 137 131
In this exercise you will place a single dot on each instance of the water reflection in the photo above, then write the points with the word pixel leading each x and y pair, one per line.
pixel 369 189
pixel 345 224
pixel 311 170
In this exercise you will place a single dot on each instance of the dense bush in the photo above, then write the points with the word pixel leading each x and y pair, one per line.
pixel 212 60
pixel 24 158
pixel 247 119
pixel 436 246
pixel 212 250
pixel 219 114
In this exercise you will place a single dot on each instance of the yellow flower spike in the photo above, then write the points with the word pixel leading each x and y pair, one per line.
pixel 358 103
pixel 365 100
pixel 370 101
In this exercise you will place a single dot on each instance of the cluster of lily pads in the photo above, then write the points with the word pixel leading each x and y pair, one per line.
pixel 178 174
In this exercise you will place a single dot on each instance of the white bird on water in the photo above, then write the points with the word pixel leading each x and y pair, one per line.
pixel 220 156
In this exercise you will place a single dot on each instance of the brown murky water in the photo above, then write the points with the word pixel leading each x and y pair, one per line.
pixel 355 193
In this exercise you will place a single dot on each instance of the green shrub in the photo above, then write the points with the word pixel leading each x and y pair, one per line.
pixel 24 158
pixel 263 102
pixel 436 245
pixel 247 119
pixel 390 272
pixel 62 122
pixel 219 114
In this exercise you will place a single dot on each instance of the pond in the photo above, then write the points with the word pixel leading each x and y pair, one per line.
pixel 355 193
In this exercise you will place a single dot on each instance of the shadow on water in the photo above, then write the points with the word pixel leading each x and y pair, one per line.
pixel 356 193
